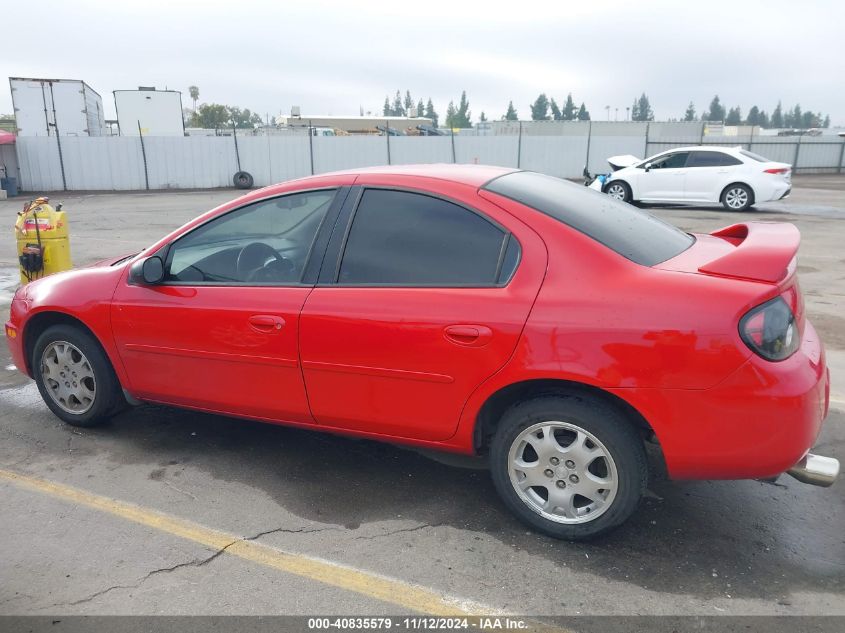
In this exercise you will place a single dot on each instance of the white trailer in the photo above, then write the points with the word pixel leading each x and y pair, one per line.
pixel 46 107
pixel 155 112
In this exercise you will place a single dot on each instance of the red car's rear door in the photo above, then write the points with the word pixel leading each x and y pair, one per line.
pixel 420 299
pixel 221 332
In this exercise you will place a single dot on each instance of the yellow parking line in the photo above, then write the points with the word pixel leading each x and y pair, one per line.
pixel 372 585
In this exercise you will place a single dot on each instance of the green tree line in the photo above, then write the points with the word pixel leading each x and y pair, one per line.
pixel 794 117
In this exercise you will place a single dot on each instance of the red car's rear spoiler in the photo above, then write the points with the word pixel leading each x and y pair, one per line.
pixel 763 252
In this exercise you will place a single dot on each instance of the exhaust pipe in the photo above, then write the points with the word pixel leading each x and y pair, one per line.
pixel 816 470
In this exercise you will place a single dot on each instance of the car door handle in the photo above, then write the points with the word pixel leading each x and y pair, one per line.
pixel 266 322
pixel 468 335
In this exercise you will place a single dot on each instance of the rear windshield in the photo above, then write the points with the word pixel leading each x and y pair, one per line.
pixel 753 156
pixel 632 233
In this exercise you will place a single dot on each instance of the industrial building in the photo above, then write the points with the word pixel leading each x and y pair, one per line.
pixel 351 124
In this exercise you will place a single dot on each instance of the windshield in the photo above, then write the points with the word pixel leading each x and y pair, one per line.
pixel 634 234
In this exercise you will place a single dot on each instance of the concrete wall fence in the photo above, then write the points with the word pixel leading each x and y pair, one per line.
pixel 556 148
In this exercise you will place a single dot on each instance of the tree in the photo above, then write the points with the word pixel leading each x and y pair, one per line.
pixel 451 115
pixel 734 116
pixel 716 112
pixel 464 116
pixel 540 108
pixel 195 95
pixel 398 109
pixel 430 113
pixel 420 108
pixel 826 122
pixel 689 115
pixel 211 116
pixel 243 119
pixel 642 109
pixel 797 117
pixel 409 103
pixel 387 110
pixel 568 111
pixel 556 115
pixel 583 113
pixel 482 118
pixel 753 117
pixel 810 119
pixel 777 116
pixel 763 119
pixel 511 114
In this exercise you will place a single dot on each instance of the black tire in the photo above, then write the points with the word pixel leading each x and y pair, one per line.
pixel 737 197
pixel 619 185
pixel 243 180
pixel 108 398
pixel 599 419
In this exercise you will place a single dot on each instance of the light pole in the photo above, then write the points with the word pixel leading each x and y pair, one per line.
pixel 607 107
pixel 628 113
pixel 616 115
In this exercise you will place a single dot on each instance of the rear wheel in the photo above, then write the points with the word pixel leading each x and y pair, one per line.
pixel 74 376
pixel 619 190
pixel 570 467
pixel 737 197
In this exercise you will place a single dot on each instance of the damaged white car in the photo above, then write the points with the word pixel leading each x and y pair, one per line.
pixel 731 176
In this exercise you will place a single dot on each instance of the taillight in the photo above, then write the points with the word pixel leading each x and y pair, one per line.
pixel 770 330
pixel 777 170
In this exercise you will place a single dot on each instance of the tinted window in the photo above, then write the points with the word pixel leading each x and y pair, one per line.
pixel 670 161
pixel 632 233
pixel 711 159
pixel 262 243
pixel 402 238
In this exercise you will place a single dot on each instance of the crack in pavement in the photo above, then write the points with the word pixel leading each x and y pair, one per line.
pixel 197 562
pixel 399 531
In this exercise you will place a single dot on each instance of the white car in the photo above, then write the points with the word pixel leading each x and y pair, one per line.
pixel 732 176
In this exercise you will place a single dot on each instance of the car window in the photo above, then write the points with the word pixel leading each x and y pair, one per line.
pixel 711 159
pixel 262 243
pixel 670 161
pixel 632 233
pixel 403 238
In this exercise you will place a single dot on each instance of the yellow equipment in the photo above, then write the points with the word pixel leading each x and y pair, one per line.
pixel 43 240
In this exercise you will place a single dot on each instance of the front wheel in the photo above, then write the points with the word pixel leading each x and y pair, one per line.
pixel 619 191
pixel 568 466
pixel 74 376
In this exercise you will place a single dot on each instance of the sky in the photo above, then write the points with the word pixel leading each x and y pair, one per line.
pixel 333 57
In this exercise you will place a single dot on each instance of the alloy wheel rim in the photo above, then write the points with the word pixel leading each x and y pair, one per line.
pixel 68 377
pixel 616 191
pixel 736 198
pixel 562 472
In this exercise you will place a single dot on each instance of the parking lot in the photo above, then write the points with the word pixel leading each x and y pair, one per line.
pixel 176 512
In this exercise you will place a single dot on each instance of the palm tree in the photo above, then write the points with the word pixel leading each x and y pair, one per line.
pixel 195 94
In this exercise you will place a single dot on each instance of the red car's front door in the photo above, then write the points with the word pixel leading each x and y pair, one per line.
pixel 221 331
pixel 428 300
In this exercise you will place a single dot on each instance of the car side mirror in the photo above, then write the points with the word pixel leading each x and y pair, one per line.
pixel 648 166
pixel 148 271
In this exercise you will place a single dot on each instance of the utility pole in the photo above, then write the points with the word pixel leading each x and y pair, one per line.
pixel 607 107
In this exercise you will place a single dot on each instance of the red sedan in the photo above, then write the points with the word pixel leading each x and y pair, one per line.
pixel 474 309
